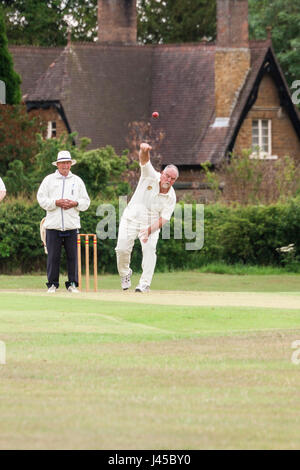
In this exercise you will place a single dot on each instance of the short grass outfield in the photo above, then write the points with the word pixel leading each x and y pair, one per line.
pixel 204 361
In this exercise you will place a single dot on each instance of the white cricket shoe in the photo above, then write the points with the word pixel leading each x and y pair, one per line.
pixel 72 288
pixel 52 289
pixel 142 288
pixel 126 281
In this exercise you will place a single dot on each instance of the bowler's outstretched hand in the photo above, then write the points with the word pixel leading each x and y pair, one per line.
pixel 144 154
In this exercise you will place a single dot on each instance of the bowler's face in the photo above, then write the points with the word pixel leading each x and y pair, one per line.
pixel 168 178
pixel 64 168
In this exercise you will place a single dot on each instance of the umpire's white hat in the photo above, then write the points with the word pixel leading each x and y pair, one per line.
pixel 64 156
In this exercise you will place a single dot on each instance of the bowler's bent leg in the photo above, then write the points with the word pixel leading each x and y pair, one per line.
pixel 149 259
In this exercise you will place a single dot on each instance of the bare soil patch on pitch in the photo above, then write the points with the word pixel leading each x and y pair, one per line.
pixel 284 300
pixel 216 299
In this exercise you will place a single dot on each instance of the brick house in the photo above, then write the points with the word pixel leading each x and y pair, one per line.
pixel 212 98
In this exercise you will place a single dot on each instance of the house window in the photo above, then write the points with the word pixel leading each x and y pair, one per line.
pixel 262 139
pixel 51 132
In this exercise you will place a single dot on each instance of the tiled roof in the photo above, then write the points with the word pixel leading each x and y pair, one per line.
pixel 101 88
pixel 104 88
pixel 31 62
pixel 183 93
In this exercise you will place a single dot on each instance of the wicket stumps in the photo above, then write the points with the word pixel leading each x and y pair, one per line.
pixel 87 260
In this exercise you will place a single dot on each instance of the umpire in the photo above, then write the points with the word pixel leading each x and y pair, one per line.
pixel 63 195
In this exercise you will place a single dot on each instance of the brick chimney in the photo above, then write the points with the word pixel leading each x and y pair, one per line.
pixel 117 21
pixel 232 58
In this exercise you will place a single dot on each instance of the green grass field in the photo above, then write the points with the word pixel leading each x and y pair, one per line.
pixel 202 368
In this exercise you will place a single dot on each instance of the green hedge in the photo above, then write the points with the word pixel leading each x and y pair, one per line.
pixel 248 235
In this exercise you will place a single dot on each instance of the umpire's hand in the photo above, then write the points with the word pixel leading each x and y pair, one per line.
pixel 66 203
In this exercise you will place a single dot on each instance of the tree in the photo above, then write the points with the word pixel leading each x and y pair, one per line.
pixel 16 181
pixel 283 16
pixel 102 169
pixel 167 21
pixel 45 23
pixel 7 73
pixel 17 136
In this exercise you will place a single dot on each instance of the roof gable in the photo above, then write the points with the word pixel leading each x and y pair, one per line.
pixel 265 63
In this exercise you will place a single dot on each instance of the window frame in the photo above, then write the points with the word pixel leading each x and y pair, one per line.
pixel 51 130
pixel 259 153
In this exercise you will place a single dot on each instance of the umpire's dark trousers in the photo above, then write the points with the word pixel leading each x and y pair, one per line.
pixel 54 241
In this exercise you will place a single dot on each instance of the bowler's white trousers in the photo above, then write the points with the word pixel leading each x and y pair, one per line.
pixel 129 231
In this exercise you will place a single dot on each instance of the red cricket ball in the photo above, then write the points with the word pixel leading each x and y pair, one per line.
pixel 155 115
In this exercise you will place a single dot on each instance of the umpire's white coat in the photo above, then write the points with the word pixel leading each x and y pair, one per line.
pixel 56 186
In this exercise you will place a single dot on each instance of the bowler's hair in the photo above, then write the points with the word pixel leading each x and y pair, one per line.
pixel 174 167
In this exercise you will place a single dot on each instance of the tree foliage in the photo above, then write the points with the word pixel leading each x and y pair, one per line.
pixel 7 73
pixel 16 180
pixel 175 21
pixel 283 16
pixel 45 23
pixel 101 170
pixel 37 22
pixel 245 180
pixel 17 136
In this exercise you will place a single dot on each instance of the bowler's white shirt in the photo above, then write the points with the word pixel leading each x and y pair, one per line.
pixel 147 203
